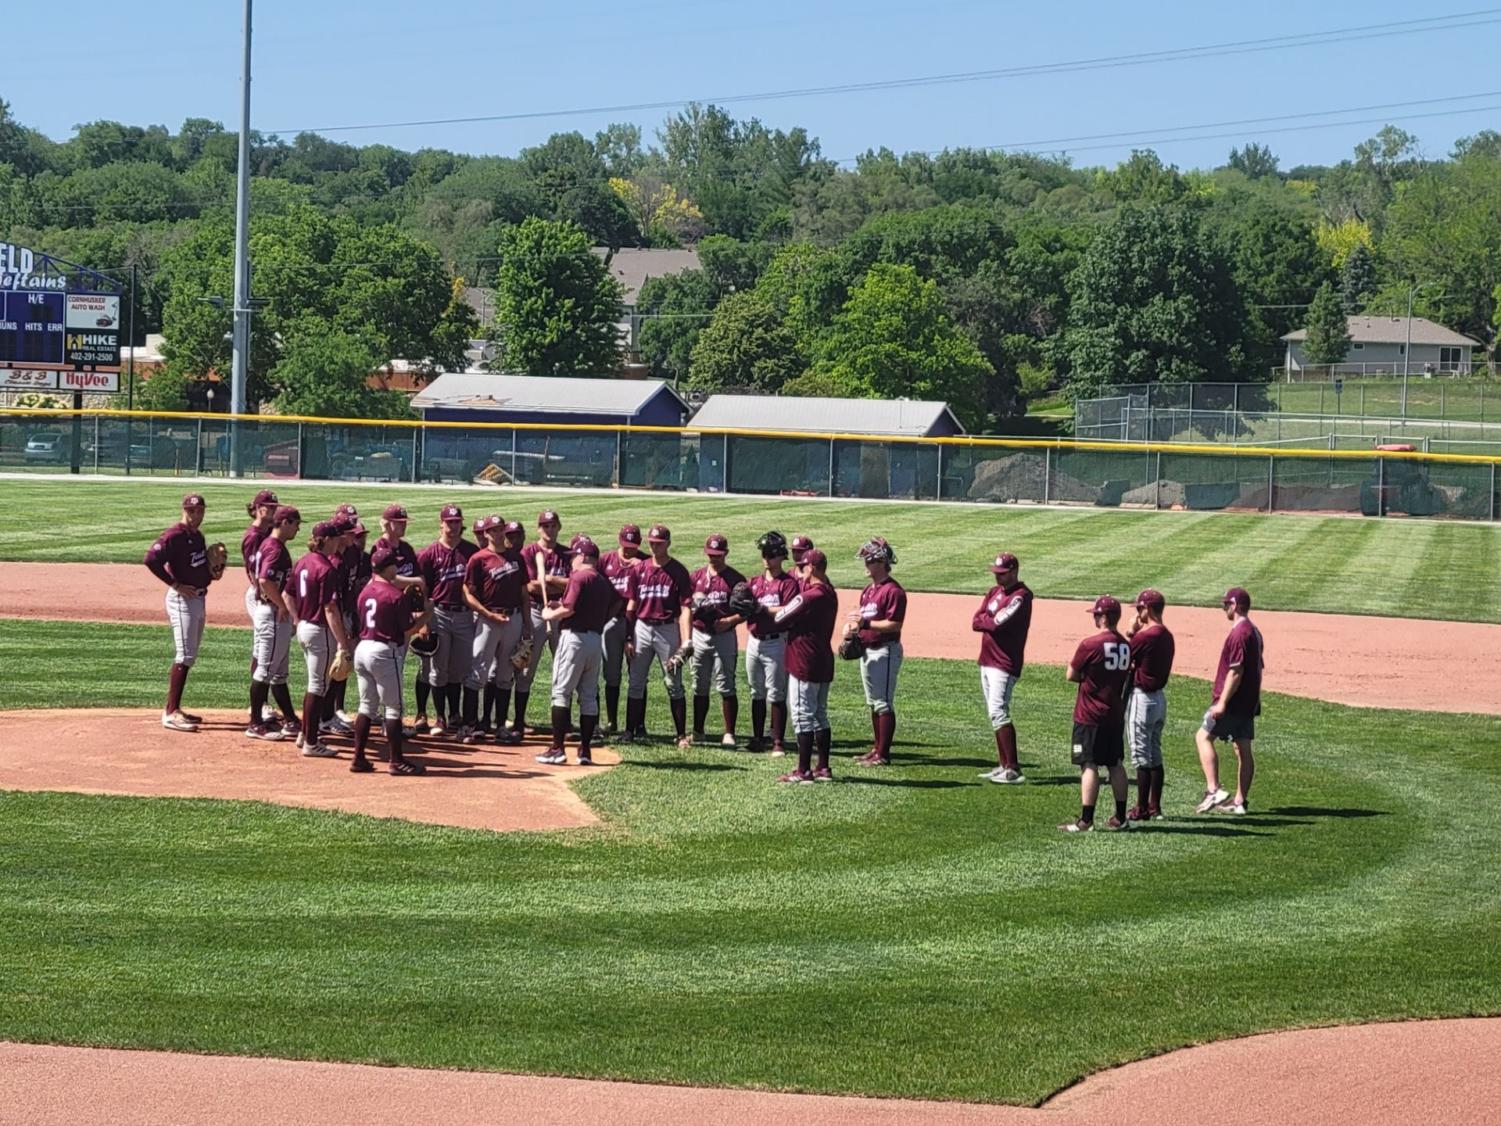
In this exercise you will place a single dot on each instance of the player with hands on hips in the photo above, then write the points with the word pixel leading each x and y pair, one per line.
pixel 661 596
pixel 388 620
pixel 181 560
pixel 1146 710
pixel 766 650
pixel 1003 620
pixel 273 630
pixel 588 602
pixel 1101 667
pixel 715 652
pixel 314 592
pixel 877 626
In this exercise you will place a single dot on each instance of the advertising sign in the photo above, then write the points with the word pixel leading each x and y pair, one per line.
pixel 56 317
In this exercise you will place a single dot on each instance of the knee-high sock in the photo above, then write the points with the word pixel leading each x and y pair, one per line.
pixel 700 713
pixel 587 724
pixel 679 709
pixel 778 723
pixel 361 736
pixel 1005 741
pixel 635 714
pixel 340 689
pixel 259 690
pixel 805 751
pixel 393 738
pixel 885 733
pixel 283 696
pixel 824 739
pixel 312 709
pixel 488 703
pixel 612 704
pixel 730 707
pixel 875 730
pixel 471 707
pixel 758 719
pixel 456 704
pixel 502 706
pixel 1157 778
pixel 423 691
pixel 521 699
pixel 560 726
pixel 641 720
pixel 176 682
pixel 1143 786
pixel 329 701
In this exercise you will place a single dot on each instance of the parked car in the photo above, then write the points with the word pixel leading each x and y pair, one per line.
pixel 47 447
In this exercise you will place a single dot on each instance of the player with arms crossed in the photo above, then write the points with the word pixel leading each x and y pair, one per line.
pixel 1002 620
pixel 589 601
pixel 715 652
pixel 1101 667
pixel 1237 703
pixel 617 567
pixel 878 626
pixel 1152 650
pixel 495 588
pixel 661 592
pixel 387 624
pixel 181 559
pixel 766 651
pixel 808 620
pixel 313 596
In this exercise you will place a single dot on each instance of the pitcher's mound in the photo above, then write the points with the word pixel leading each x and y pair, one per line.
pixel 115 751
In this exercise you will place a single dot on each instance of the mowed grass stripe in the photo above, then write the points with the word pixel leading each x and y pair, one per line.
pixel 1331 564
pixel 718 928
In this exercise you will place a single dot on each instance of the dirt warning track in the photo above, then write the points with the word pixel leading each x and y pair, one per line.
pixel 1343 658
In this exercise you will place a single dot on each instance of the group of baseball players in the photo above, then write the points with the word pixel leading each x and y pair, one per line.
pixel 476 614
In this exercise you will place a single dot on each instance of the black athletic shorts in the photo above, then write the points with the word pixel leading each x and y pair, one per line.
pixel 1234 728
pixel 1098 746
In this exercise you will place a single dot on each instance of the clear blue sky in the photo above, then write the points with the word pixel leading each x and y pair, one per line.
pixel 343 62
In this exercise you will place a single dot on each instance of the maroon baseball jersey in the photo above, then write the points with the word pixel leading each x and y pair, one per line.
pixel 442 568
pixel 809 621
pixel 556 561
pixel 179 555
pixel 496 579
pixel 713 588
pixel 1243 649
pixel 773 594
pixel 660 592
pixel 385 612
pixel 272 561
pixel 884 601
pixel 617 568
pixel 406 565
pixel 1004 619
pixel 1151 657
pixel 1103 663
pixel 354 571
pixel 592 597
pixel 250 544
pixel 315 583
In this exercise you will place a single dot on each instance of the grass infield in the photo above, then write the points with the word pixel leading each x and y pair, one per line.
pixel 912 932
pixel 1409 568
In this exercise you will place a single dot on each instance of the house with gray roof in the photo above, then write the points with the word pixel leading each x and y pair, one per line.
pixel 1381 344
pixel 908 418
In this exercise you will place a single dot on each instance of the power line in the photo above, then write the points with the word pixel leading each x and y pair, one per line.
pixel 1455 21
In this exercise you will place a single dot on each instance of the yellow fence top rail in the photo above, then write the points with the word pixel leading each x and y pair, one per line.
pixel 963 440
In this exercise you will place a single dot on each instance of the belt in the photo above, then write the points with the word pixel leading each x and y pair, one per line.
pixel 657 621
pixel 450 606
pixel 885 641
pixel 769 637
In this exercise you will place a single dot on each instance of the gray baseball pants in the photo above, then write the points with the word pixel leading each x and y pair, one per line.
pixel 810 705
pixel 655 641
pixel 378 664
pixel 317 642
pixel 540 630
pixel 766 668
pixel 273 644
pixel 997 684
pixel 878 670
pixel 1146 714
pixel 453 629
pixel 494 642
pixel 613 638
pixel 187 617
pixel 575 668
pixel 716 653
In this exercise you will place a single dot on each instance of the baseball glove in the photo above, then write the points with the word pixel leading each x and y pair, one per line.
pixel 218 559
pixel 742 602
pixel 523 655
pixel 676 662
pixel 852 648
pixel 425 644
pixel 341 666
pixel 705 613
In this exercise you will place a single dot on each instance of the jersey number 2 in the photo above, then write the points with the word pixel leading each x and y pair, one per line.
pixel 369 613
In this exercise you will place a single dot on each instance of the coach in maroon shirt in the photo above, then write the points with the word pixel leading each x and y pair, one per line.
pixel 588 602
pixel 179 558
pixel 1237 703
pixel 809 622
pixel 1002 621
pixel 1101 667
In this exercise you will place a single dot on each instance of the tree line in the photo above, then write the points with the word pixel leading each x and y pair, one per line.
pixel 984 278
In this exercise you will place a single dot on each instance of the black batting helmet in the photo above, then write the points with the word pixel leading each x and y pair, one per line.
pixel 772 545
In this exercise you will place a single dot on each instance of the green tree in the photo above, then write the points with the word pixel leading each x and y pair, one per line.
pixel 556 305
pixel 1143 179
pixel 1357 280
pixel 893 339
pixel 1154 300
pixel 675 310
pixel 746 346
pixel 1328 328
pixel 1256 161
pixel 327 374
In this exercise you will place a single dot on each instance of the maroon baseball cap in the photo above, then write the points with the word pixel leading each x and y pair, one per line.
pixel 659 533
pixel 394 512
pixel 814 558
pixel 327 529
pixel 486 523
pixel 1150 599
pixel 451 512
pixel 799 545
pixel 342 525
pixel 1107 605
pixel 264 497
pixel 347 510
pixel 548 516
pixel 514 528
pixel 716 545
pixel 631 534
pixel 1005 561
pixel 583 545
pixel 1237 597
pixel 359 528
pixel 284 513
pixel 193 500
pixel 384 557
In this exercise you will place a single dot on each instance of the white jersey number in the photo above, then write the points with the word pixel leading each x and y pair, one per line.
pixel 370 605
pixel 1117 656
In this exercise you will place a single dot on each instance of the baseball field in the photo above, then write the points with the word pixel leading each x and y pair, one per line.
pixel 912 932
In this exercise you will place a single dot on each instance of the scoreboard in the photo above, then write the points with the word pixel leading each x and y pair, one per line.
pixel 54 339
pixel 32 329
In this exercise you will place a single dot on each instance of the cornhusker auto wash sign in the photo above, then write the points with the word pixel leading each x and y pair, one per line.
pixel 59 324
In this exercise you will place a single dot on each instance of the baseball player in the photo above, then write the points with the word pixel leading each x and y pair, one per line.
pixel 801 545
pixel 1146 709
pixel 878 624
pixel 1003 619
pixel 588 602
pixel 766 651
pixel 313 596
pixel 714 644
pixel 617 566
pixel 495 588
pixel 1237 703
pixel 546 564
pixel 506 670
pixel 261 511
pixel 387 623
pixel 273 629
pixel 1101 667
pixel 661 595
pixel 180 559
pixel 442 564
pixel 808 620
pixel 353 565
pixel 393 530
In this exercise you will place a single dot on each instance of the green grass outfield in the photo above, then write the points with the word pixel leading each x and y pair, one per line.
pixel 1411 568
pixel 912 932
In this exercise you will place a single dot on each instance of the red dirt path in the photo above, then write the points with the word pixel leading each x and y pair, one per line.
pixel 1320 1077
pixel 1401 663
pixel 105 751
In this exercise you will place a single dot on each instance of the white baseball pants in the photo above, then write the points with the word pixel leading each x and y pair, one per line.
pixel 655 641
pixel 317 642
pixel 187 617
pixel 716 653
pixel 273 644
pixel 997 685
pixel 377 664
pixel 878 670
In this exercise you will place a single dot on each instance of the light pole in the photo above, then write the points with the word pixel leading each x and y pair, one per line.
pixel 241 332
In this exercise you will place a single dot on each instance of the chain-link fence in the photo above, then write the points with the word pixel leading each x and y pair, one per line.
pixel 1155 474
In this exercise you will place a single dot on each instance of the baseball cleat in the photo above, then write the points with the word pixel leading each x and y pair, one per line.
pixel 797 776
pixel 438 727
pixel 470 735
pixel 755 745
pixel 361 766
pixel 625 737
pixel 1232 806
pixel 1005 776
pixel 191 718
pixel 421 726
pixel 872 760
pixel 1118 824
pixel 335 726
pixel 344 717
pixel 1137 813
pixel 319 750
pixel 1154 813
pixel 177 721
pixel 728 741
pixel 290 726
pixel 1079 826
pixel 823 774
pixel 586 760
pixel 264 731
pixel 553 757
pixel 406 768
pixel 1212 798
pixel 508 737
pixel 685 742
pixel 778 750
pixel 301 740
